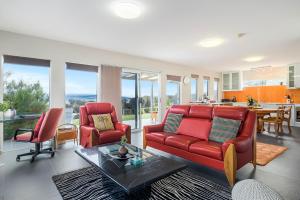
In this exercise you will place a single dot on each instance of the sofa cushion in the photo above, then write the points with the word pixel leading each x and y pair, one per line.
pixel 196 127
pixel 158 137
pixel 207 148
pixel 230 112
pixel 224 129
pixel 199 111
pixel 180 109
pixel 172 122
pixel 110 136
pixel 180 141
pixel 103 122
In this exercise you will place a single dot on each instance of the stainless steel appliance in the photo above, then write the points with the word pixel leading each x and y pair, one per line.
pixel 297 114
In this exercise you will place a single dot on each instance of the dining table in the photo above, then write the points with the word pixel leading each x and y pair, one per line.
pixel 261 113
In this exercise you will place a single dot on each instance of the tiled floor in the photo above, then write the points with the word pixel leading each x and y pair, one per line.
pixel 26 181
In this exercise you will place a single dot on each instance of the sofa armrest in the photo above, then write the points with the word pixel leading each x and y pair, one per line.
pixel 150 129
pixel 242 144
pixel 154 128
pixel 126 129
pixel 88 136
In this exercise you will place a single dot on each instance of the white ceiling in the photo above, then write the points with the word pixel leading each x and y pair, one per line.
pixel 168 29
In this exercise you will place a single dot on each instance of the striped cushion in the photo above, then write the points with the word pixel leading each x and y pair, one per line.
pixel 103 122
pixel 172 122
pixel 224 129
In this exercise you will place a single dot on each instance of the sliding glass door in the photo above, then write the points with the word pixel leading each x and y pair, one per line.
pixel 129 99
pixel 139 99
pixel 148 98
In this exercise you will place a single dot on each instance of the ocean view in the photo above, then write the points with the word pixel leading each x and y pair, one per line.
pixel 81 97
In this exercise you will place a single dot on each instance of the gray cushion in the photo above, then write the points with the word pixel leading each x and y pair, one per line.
pixel 172 122
pixel 224 129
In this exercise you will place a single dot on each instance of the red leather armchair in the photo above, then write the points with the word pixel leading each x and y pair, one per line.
pixel 90 136
pixel 191 141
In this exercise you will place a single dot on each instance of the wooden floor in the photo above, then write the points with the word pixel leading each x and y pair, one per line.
pixel 26 181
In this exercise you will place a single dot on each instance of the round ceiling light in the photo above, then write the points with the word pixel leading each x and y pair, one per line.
pixel 254 59
pixel 211 42
pixel 127 9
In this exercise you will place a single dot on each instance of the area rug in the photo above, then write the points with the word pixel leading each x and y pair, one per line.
pixel 265 153
pixel 89 183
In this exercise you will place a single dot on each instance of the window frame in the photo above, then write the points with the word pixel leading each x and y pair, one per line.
pixel 178 89
pixel 196 89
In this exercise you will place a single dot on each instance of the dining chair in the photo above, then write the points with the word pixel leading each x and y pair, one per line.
pixel 287 116
pixel 277 120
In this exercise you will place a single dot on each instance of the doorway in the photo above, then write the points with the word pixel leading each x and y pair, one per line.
pixel 140 98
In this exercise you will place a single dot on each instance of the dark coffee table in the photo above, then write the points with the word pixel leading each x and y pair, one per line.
pixel 128 176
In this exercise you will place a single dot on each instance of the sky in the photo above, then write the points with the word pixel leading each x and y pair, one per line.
pixel 29 74
pixel 77 82
pixel 128 88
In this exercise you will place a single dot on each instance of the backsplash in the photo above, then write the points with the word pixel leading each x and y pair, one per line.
pixel 265 94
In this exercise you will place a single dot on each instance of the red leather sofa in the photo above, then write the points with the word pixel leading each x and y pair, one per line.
pixel 191 139
pixel 90 136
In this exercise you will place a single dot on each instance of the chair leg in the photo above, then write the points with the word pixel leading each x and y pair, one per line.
pixel 36 152
pixel 262 127
pixel 289 126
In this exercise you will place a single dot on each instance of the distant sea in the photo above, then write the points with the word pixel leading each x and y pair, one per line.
pixel 85 97
pixel 82 97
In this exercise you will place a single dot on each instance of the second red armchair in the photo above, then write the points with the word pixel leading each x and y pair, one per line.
pixel 90 136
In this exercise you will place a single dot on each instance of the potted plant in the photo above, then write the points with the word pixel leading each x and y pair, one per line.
pixel 10 112
pixel 251 101
pixel 123 150
pixel 288 98
pixel 4 107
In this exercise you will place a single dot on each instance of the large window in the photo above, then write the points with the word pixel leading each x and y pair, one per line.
pixel 205 87
pixel 81 87
pixel 216 89
pixel 26 94
pixel 194 88
pixel 173 90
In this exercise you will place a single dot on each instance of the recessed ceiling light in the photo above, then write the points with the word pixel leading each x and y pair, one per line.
pixel 211 42
pixel 127 9
pixel 254 59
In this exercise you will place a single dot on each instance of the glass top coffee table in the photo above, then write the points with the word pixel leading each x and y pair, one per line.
pixel 125 173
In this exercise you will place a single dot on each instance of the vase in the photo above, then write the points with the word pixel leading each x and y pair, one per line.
pixel 123 151
pixel 10 113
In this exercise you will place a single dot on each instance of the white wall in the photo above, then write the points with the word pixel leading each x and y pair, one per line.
pixel 59 53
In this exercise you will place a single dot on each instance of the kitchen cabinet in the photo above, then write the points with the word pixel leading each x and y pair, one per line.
pixel 231 81
pixel 294 76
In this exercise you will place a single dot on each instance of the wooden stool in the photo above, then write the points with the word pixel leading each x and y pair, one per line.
pixel 66 132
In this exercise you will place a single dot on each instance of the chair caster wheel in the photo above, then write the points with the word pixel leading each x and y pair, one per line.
pixel 52 154
pixel 17 158
pixel 32 159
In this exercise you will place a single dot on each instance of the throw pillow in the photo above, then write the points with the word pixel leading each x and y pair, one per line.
pixel 38 125
pixel 172 122
pixel 103 122
pixel 224 129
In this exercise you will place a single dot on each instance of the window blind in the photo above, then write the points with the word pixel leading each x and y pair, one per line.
pixel 82 67
pixel 26 61
pixel 194 76
pixel 206 77
pixel 173 78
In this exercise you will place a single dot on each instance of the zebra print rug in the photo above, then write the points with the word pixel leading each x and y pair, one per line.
pixel 90 184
